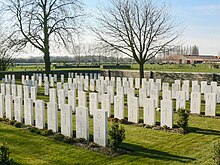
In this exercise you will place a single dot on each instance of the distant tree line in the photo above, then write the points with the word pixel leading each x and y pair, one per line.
pixel 90 60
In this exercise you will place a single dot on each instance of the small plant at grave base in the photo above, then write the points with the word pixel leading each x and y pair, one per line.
pixel 117 135
pixel 12 122
pixel 69 140
pixel 216 154
pixel 183 118
pixel 58 136
pixel 18 124
pixel 93 145
pixel 4 155
pixel 46 132
pixel 34 130
pixel 80 140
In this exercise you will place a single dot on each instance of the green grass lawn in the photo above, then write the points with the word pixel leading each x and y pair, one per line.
pixel 146 146
pixel 206 68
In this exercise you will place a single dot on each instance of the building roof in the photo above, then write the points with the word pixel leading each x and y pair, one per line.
pixel 201 57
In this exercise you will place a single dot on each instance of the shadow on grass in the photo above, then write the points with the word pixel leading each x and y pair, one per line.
pixel 203 131
pixel 137 150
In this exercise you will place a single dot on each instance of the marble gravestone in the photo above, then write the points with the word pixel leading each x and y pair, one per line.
pixel 93 102
pixel 66 120
pixel 149 111
pixel 18 109
pixel 61 97
pixel 154 94
pixel 119 107
pixel 195 102
pixel 2 105
pixel 175 88
pixel 165 86
pixel 180 100
pixel 53 95
pixel 28 111
pixel 166 95
pixel 106 103
pixel 82 123
pixel 100 127
pixel 137 83
pixel 82 102
pixel 39 114
pixel 133 109
pixel 142 96
pixel 52 116
pixel 210 104
pixel 8 107
pixel 166 113
pixel 72 99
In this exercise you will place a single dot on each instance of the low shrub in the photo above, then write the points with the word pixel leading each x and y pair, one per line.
pixel 46 132
pixel 116 135
pixel 5 155
pixel 69 140
pixel 12 122
pixel 183 118
pixel 19 124
pixel 123 121
pixel 58 136
pixel 216 154
pixel 80 140
pixel 93 145
pixel 34 130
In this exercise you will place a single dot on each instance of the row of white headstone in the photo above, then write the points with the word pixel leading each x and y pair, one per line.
pixel 36 112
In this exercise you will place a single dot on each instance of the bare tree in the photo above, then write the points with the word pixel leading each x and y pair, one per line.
pixel 138 28
pixel 8 50
pixel 43 23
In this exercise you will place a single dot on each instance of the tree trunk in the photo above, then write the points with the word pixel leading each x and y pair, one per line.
pixel 47 62
pixel 141 71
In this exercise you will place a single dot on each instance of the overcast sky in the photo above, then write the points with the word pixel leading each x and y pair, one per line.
pixel 199 18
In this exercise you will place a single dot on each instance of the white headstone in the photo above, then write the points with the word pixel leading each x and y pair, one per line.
pixel 92 85
pixel 185 88
pixel 66 120
pixel 53 95
pixel 149 111
pixel 154 94
pixel 82 102
pixel 195 102
pixel 110 91
pixel 196 88
pixel 82 123
pixel 119 107
pixel 20 91
pixel 120 91
pixel 18 109
pixel 142 96
pixel 93 102
pixel 218 94
pixel 61 97
pixel 39 114
pixel 8 106
pixel 100 127
pixel 33 94
pixel 203 84
pixel 210 104
pixel 28 111
pixel 2 105
pixel 165 86
pixel 180 100
pixel 72 99
pixel 175 88
pixel 214 86
pixel 166 113
pixel 52 117
pixel 3 88
pixel 62 78
pixel 106 103
pixel 133 109
pixel 166 94
pixel 137 83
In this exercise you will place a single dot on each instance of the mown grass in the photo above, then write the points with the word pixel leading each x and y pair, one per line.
pixel 146 146
pixel 205 68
